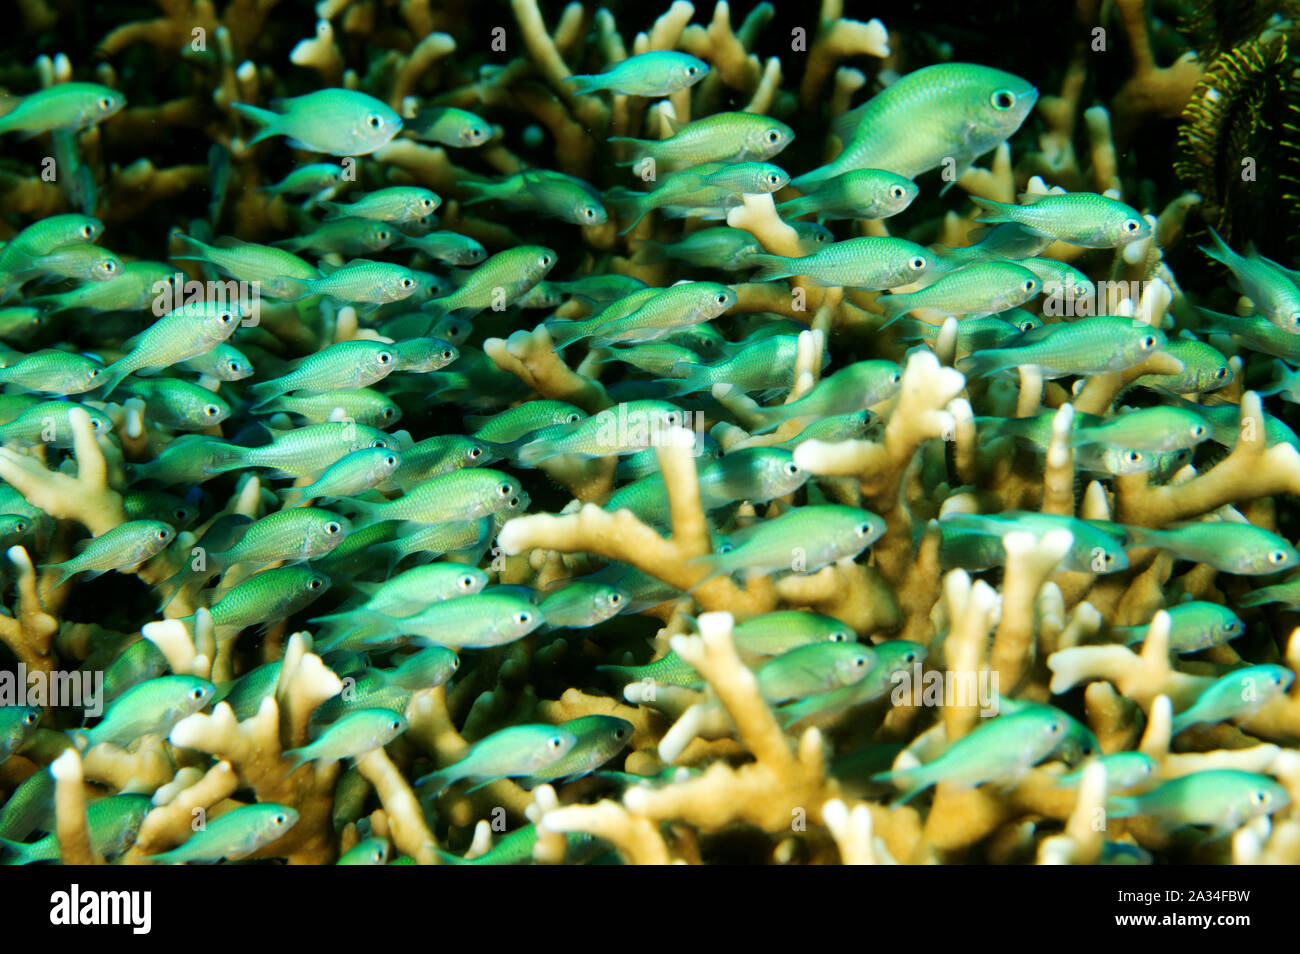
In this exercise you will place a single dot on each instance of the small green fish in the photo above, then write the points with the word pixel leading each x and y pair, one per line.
pixel 182 333
pixel 53 372
pixel 891 658
pixel 1123 770
pixel 396 204
pixel 510 273
pixel 1204 369
pixel 17 725
pixel 449 126
pixel 353 474
pixel 523 419
pixel 849 389
pixel 372 851
pixel 304 452
pixel 274 271
pixel 126 545
pixel 1093 549
pixel 1193 626
pixel 619 430
pixel 874 263
pixel 421 355
pixel 139 662
pixel 1152 429
pixel 347 364
pixel 479 621
pixel 599 739
pixel 1237 695
pixel 516 848
pixel 361 282
pixel 1288 592
pixel 88 263
pixel 353 735
pixel 1229 547
pixel 224 362
pixel 48 423
pixel 178 404
pixel 978 290
pixel 816 668
pixel 300 533
pixel 721 137
pixel 317 178
pixel 339 122
pixel 465 494
pixel 657 73
pixel 514 751
pixel 269 596
pixel 859 194
pixel 1094 345
pixel 547 193
pixel 1003 748
pixel 583 603
pixel 804 539
pixel 425 669
pixel 1224 799
pixel 69 106
pixel 722 247
pixel 112 824
pixel 1080 218
pixel 1269 286
pixel 234 835
pixel 435 456
pixel 449 247
pixel 43 237
pixel 661 313
pixel 775 633
pixel 668 670
pixel 344 237
pixel 152 707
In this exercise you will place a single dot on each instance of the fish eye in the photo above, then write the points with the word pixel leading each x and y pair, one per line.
pixel 555 742
pixel 721 299
pixel 691 70
pixel 373 121
pixel 386 413
pixel 390 461
pixel 378 442
pixel 475 132
pixel 917 263
pixel 505 490
pixel 20 525
pixel 94 372
pixel 1003 99
pixel 427 203
pixel 332 528
pixel 226 317
pixel 896 377
pixel 196 693
pixel 859 661
pixel 1277 556
pixel 773 179
pixel 1029 285
pixel 1026 324
pixel 280 819
pixel 474 453
pixel 862 529
pixel 544 261
pixel 105 102
pixel 588 212
pixel 1149 342
pixel 383 235
pixel 1221 372
pixel 313 583
pixel 162 534
pixel 791 468
pixel 30 718
pixel 384 357
pixel 1198 430
pixel 211 410
pixel 571 417
pixel 773 136
pixel 455 663
pixel 86 232
pixel 897 192
pixel 615 599
pixel 1053 727
pixel 405 283
pixel 909 657
pixel 447 355
pixel 523 617
pixel 1260 797
pixel 465 582
pixel 1131 225
pixel 513 503
pixel 232 367
pixel 1132 457
pixel 110 267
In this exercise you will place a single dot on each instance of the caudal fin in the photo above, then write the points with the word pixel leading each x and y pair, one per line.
pixel 268 120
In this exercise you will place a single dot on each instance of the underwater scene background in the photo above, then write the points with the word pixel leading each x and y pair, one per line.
pixel 521 432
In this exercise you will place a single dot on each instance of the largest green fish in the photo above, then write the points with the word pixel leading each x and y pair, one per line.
pixel 950 111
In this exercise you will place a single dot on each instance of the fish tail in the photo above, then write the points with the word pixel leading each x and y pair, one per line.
pixel 771 267
pixel 268 120
pixel 795 207
pixel 992 211
pixel 191 247
pixel 895 307
pixel 1221 253
pixel 809 181
pixel 583 84
pixel 65 573
pixel 533 453
pixel 20 854
pixel 639 148
pixel 113 376
pixel 1256 597
pixel 436 781
pixel 263 393
pixel 624 202
pixel 564 332
pixel 1122 806
pixel 981 363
